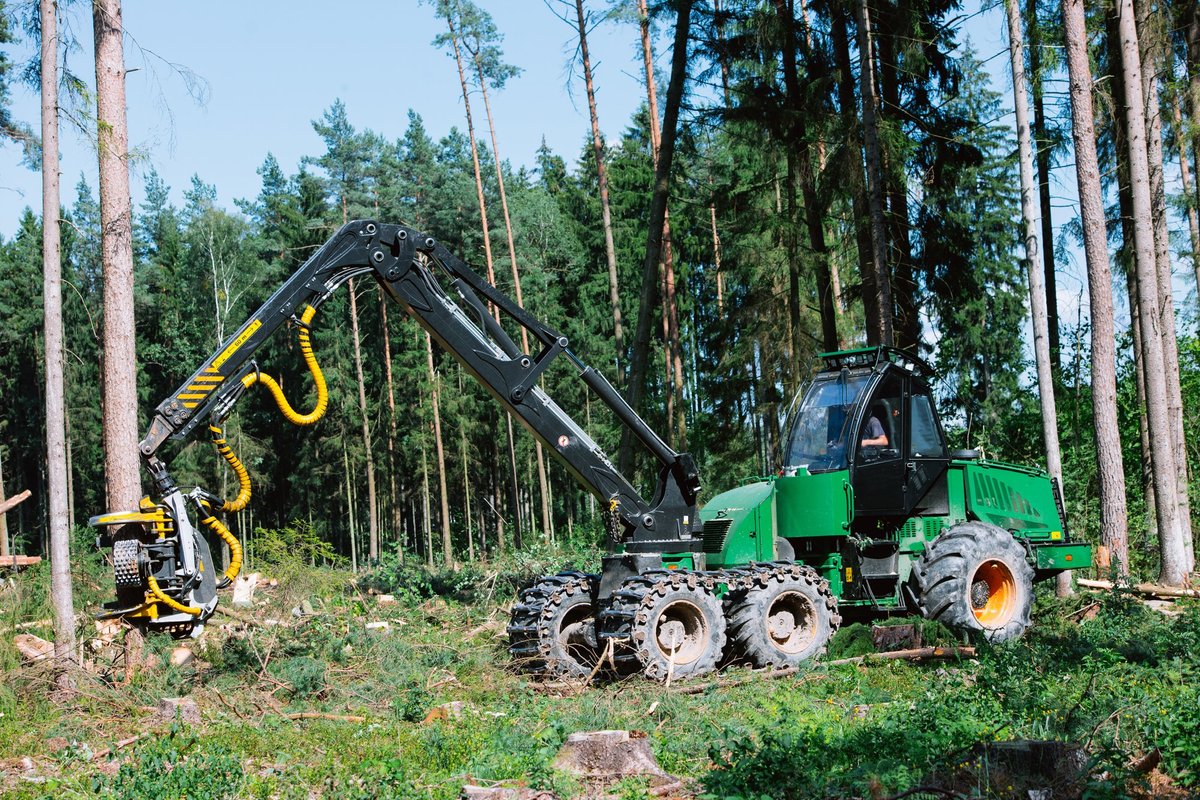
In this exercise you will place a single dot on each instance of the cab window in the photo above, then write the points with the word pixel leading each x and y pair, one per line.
pixel 925 438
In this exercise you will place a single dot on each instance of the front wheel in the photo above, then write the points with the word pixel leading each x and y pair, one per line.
pixel 974 577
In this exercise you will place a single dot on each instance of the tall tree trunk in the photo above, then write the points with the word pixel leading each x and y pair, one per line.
pixel 372 502
pixel 658 211
pixel 547 524
pixel 116 247
pixel 1151 60
pixel 3 515
pixel 610 251
pixel 349 509
pixel 904 284
pixel 677 420
pixel 883 282
pixel 1037 296
pixel 854 176
pixel 487 253
pixel 722 56
pixel 467 499
pixel 58 476
pixel 1042 150
pixel 1173 565
pixel 440 451
pixel 1110 467
pixel 427 522
pixel 397 522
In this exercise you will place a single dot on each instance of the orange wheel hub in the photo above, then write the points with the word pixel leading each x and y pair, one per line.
pixel 994 607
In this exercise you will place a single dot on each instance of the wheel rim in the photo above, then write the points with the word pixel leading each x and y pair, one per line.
pixel 791 622
pixel 993 594
pixel 681 631
pixel 573 634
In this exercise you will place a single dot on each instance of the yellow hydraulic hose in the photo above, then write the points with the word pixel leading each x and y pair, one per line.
pixel 235 547
pixel 158 595
pixel 239 469
pixel 306 350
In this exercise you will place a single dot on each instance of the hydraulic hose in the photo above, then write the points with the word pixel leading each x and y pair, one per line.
pixel 239 469
pixel 158 595
pixel 293 416
pixel 235 547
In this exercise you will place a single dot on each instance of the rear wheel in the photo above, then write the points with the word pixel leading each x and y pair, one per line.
pixel 781 615
pixel 974 577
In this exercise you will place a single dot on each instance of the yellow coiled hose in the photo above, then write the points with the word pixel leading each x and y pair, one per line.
pixel 293 416
pixel 158 595
pixel 235 547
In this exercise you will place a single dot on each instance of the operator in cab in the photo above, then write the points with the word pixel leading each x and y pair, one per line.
pixel 873 434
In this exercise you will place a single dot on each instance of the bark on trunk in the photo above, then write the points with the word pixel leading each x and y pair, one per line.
pixel 1037 296
pixel 1109 460
pixel 1151 60
pixel 57 475
pixel 1173 564
pixel 123 483
pixel 610 251
pixel 904 284
pixel 658 209
pixel 883 283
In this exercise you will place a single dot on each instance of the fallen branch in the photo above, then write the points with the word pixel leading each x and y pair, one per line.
pixel 234 615
pixel 323 715
pixel 756 675
pixel 14 501
pixel 1150 589
pixel 915 654
pixel 120 745
pixel 26 625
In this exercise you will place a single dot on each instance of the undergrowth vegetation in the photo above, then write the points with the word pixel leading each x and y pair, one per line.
pixel 1105 675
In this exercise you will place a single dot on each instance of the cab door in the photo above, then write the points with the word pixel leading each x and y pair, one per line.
pixel 880 481
pixel 925 456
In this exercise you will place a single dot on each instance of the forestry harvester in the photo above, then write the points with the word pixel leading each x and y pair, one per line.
pixel 870 512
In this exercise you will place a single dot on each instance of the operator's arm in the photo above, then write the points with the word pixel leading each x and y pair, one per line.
pixel 873 434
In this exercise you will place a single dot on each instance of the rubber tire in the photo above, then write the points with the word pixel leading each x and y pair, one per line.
pixel 942 579
pixel 548 605
pixel 748 611
pixel 655 662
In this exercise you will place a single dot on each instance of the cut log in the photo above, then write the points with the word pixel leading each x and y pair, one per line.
pixel 1151 589
pixel 19 562
pixel 33 648
pixel 915 654
pixel 14 501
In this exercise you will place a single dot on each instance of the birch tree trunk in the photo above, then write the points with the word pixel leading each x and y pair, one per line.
pixel 119 377
pixel 1037 291
pixel 610 251
pixel 1173 567
pixel 870 101
pixel 1114 521
pixel 57 476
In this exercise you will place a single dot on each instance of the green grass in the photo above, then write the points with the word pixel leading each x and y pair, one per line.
pixel 1119 684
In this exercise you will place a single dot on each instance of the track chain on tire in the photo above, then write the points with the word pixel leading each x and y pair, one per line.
pixel 761 576
pixel 532 629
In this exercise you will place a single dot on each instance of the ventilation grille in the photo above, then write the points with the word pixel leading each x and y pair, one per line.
pixel 715 532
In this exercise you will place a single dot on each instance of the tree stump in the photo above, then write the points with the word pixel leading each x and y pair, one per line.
pixel 608 754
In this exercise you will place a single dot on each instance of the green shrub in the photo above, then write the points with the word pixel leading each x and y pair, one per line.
pixel 175 766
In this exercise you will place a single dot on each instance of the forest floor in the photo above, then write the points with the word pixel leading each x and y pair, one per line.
pixel 309 695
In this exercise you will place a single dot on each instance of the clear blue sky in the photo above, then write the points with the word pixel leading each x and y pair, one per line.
pixel 270 68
